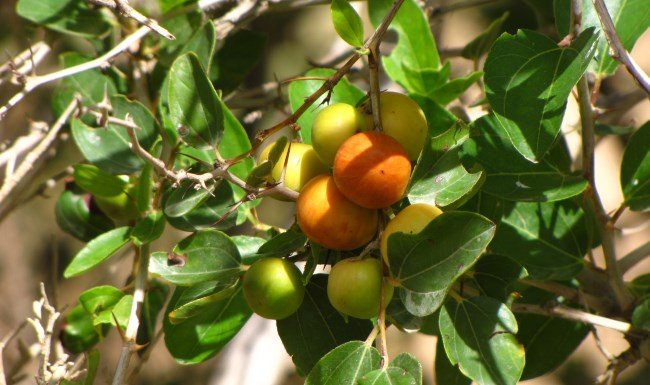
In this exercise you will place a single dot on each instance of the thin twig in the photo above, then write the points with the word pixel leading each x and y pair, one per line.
pixel 634 257
pixel 373 65
pixel 122 7
pixel 619 53
pixel 25 62
pixel 617 365
pixel 440 10
pixel 557 288
pixel 3 344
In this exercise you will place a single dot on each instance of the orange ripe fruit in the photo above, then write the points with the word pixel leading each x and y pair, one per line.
pixel 372 169
pixel 328 218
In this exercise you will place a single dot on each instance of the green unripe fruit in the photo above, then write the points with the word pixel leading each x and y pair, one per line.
pixel 354 287
pixel 332 126
pixel 273 288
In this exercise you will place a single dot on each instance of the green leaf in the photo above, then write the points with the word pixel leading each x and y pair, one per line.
pixel 495 275
pixel 512 177
pixel 344 365
pixel 478 335
pixel 347 22
pixel 630 20
pixel 183 199
pixel 640 286
pixel 609 129
pixel 453 89
pixel 98 182
pixel 316 327
pixel 100 298
pixel 144 189
pixel 120 312
pixel 410 364
pixel 206 214
pixel 219 291
pixel 109 147
pixel 73 17
pixel 537 333
pixel 400 317
pixel 548 239
pixel 415 49
pixel 91 367
pixel 440 121
pixel 154 301
pixel 184 26
pixel 343 92
pixel 422 304
pixel 635 170
pixel 641 315
pixel 92 85
pixel 387 376
pixel 482 43
pixel 283 244
pixel 447 373
pixel 149 228
pixel 528 78
pixel 97 251
pixel 193 103
pixel 207 255
pixel 435 84
pixel 432 260
pixel 205 334
pixel 202 44
pixel 78 334
pixel 247 247
pixel 240 53
pixel 74 217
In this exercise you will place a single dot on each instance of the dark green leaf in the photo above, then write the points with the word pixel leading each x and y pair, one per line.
pixel 185 198
pixel 440 121
pixel 92 85
pixel 204 335
pixel 446 372
pixel 641 315
pixel 316 327
pixel 149 228
pixel 548 239
pixel 98 182
pixel 548 341
pixel 317 254
pixel 193 103
pixel 283 244
pixel 91 367
pixel 202 44
pixel 528 78
pixel 108 147
pixel 75 218
pixel 422 304
pixel 207 255
pixel 343 92
pixel 344 365
pixel 608 129
pixel 347 22
pixel 387 376
pixel 219 291
pixel 410 364
pixel 510 176
pixel 400 317
pixel 482 43
pixel 478 336
pixel 205 215
pixel 79 334
pixel 247 247
pixel 97 251
pixel 239 54
pixel 183 26
pixel 495 274
pixel 431 260
pixel 640 286
pixel 415 49
pixel 453 89
pixel 66 16
pixel 635 170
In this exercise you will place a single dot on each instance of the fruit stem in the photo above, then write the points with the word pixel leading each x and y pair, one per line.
pixel 372 336
pixel 455 296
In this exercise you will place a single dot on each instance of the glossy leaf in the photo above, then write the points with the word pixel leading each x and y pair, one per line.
pixel 548 341
pixel 641 315
pixel 240 53
pixel 387 376
pixel 193 103
pixel 78 333
pixel 447 373
pixel 74 216
pixel 97 251
pixel 149 228
pixel 202 44
pixel 344 365
pixel 247 247
pixel 512 177
pixel 630 20
pixel 316 327
pixel 495 275
pixel 185 198
pixel 283 244
pixel 548 239
pixel 100 298
pixel 119 313
pixel 205 334
pixel 635 170
pixel 400 317
pixel 219 291
pixel 66 16
pixel 422 304
pixel 205 215
pixel 109 147
pixel 431 260
pixel 528 78
pixel 479 337
pixel 98 182
pixel 415 49
pixel 207 255
pixel 347 22
pixel 92 85
pixel 343 92
pixel 482 43
pixel 410 364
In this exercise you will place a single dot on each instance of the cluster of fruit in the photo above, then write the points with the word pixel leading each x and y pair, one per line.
pixel 370 171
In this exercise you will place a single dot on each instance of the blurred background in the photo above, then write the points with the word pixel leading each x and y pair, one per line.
pixel 33 249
